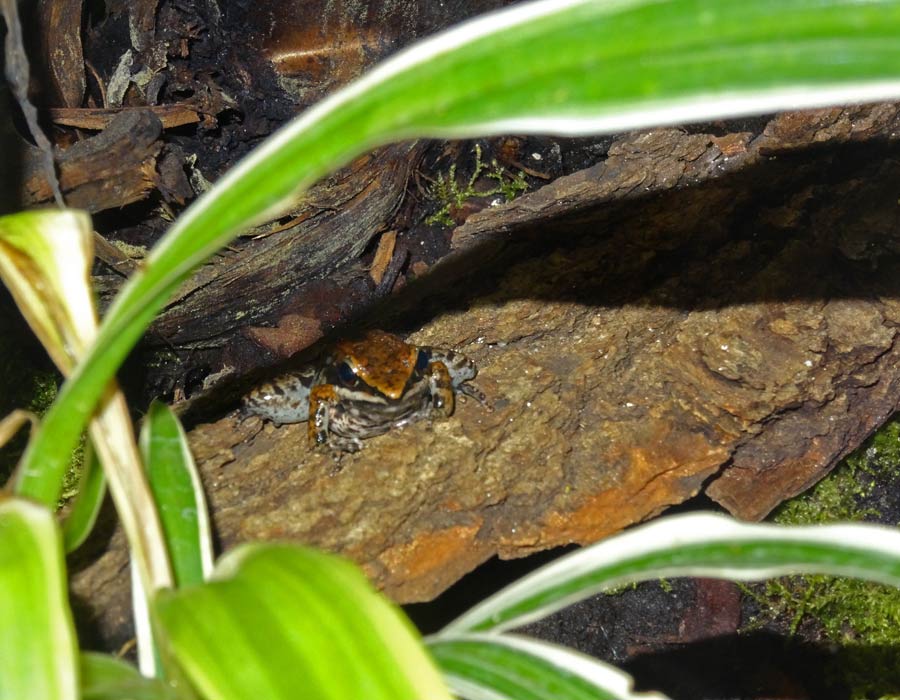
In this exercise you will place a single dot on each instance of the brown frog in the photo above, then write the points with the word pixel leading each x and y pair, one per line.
pixel 364 387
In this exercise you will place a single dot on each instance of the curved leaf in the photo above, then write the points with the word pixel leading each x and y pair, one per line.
pixel 179 498
pixel 108 678
pixel 178 493
pixel 37 638
pixel 81 518
pixel 509 667
pixel 701 544
pixel 45 260
pixel 279 621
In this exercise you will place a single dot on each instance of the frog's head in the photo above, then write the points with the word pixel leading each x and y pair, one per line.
pixel 379 360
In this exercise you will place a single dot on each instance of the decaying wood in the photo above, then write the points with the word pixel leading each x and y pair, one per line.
pixel 112 256
pixel 60 31
pixel 703 324
pixel 142 23
pixel 113 168
pixel 383 256
pixel 654 162
pixel 319 45
pixel 98 118
pixel 334 223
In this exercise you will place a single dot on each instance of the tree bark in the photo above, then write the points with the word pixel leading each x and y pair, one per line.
pixel 698 312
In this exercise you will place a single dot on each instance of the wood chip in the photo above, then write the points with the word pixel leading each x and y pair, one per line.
pixel 108 170
pixel 383 256
pixel 98 118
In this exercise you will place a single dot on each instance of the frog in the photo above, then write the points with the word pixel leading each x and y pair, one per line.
pixel 364 387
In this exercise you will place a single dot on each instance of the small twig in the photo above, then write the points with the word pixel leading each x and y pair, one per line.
pixel 18 76
pixel 99 81
pixel 539 174
pixel 99 118
pixel 112 256
pixel 392 272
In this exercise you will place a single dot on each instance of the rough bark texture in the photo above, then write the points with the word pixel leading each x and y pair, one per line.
pixel 319 45
pixel 109 170
pixel 696 310
pixel 334 223
pixel 63 60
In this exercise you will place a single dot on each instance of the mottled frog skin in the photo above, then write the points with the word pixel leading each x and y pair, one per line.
pixel 365 387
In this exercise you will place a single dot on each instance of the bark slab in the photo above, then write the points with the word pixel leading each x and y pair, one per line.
pixel 724 317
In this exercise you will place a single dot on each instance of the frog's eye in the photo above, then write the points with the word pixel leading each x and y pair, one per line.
pixel 422 360
pixel 346 373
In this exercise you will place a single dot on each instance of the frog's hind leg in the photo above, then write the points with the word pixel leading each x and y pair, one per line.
pixel 441 386
pixel 477 394
pixel 460 368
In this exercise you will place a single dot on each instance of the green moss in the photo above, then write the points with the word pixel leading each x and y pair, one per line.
pixel 135 252
pixel 24 383
pixel 843 494
pixel 448 193
pixel 44 388
pixel 28 381
pixel 863 618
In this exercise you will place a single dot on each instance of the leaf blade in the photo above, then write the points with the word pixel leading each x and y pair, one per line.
pixel 704 545
pixel 108 678
pixel 91 491
pixel 37 636
pixel 510 667
pixel 178 493
pixel 279 621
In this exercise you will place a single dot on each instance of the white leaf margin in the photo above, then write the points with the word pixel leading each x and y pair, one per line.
pixel 667 535
pixel 604 676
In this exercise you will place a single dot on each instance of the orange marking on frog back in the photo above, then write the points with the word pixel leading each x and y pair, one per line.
pixel 381 360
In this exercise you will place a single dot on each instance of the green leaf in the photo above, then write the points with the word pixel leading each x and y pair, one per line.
pixel 37 638
pixel 86 507
pixel 181 504
pixel 45 260
pixel 108 678
pixel 280 621
pixel 508 667
pixel 559 66
pixel 704 545
pixel 178 493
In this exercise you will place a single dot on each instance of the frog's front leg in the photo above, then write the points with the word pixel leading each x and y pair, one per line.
pixel 321 399
pixel 441 388
pixel 323 405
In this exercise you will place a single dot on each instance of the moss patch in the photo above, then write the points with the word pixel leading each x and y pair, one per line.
pixel 451 196
pixel 864 618
pixel 28 380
